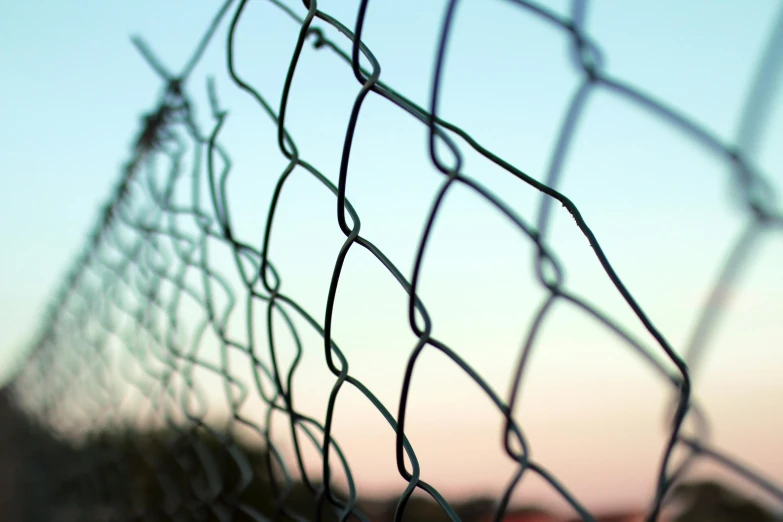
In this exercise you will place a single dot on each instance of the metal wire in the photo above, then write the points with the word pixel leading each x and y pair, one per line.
pixel 117 319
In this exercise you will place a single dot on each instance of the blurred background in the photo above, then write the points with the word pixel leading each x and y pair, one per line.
pixel 661 202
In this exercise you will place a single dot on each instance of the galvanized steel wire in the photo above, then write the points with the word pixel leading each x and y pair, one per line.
pixel 114 293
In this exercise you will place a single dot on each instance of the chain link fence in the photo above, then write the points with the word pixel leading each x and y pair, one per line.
pixel 112 418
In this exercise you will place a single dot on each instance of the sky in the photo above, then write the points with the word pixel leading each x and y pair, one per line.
pixel 658 201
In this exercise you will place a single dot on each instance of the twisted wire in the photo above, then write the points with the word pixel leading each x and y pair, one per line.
pixel 117 320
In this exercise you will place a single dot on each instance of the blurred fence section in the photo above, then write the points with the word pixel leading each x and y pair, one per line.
pixel 110 419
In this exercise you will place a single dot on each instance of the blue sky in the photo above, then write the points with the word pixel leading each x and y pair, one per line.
pixel 658 202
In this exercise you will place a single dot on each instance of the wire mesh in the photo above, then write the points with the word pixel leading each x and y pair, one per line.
pixel 117 322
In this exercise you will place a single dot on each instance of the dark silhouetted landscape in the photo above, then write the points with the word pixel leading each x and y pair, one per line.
pixel 202 475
